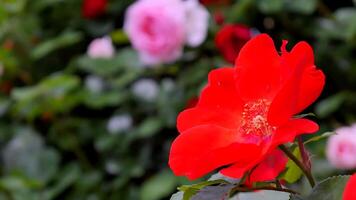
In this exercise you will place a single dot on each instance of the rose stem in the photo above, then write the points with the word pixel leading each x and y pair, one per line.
pixel 299 164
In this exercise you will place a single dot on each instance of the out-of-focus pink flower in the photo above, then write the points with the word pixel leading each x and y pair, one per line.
pixel 341 148
pixel 156 29
pixel 197 22
pixel 101 48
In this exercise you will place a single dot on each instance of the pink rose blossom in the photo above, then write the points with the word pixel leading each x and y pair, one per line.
pixel 101 48
pixel 156 29
pixel 341 148
pixel 197 21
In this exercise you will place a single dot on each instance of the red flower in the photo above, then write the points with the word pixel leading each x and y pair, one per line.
pixel 245 112
pixel 267 170
pixel 219 18
pixel 93 8
pixel 349 191
pixel 230 39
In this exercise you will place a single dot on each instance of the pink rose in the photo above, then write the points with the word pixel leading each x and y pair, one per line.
pixel 156 29
pixel 101 48
pixel 197 22
pixel 341 148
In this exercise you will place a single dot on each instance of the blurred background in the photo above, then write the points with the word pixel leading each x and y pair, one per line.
pixel 89 113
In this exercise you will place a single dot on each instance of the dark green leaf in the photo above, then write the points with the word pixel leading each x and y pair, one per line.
pixel 149 127
pixel 270 6
pixel 56 93
pixel 330 105
pixel 126 59
pixel 221 192
pixel 69 175
pixel 301 6
pixel 329 189
pixel 65 39
pixel 295 197
pixel 158 186
pixel 319 137
pixel 190 190
pixel 304 115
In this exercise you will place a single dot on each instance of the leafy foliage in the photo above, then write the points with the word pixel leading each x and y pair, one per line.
pixel 328 189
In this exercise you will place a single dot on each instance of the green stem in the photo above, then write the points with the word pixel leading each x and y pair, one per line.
pixel 306 172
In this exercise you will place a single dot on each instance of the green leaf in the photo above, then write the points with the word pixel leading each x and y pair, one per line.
pixel 17 188
pixel 104 99
pixel 126 59
pixel 190 190
pixel 55 94
pixel 329 189
pixel 270 6
pixel 158 186
pixel 42 4
pixel 64 40
pixel 149 127
pixel 331 104
pixel 293 172
pixel 295 197
pixel 221 192
pixel 304 115
pixel 200 185
pixel 301 6
pixel 66 178
pixel 319 137
pixel 346 17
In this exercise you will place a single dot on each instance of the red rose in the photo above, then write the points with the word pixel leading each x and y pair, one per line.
pixel 93 8
pixel 246 111
pixel 349 192
pixel 274 163
pixel 230 39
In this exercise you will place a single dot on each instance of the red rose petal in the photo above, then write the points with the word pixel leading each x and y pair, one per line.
pixel 293 128
pixel 269 168
pixel 258 69
pixel 202 149
pixel 218 103
pixel 349 191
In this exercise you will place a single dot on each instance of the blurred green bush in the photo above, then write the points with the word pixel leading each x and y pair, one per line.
pixel 74 127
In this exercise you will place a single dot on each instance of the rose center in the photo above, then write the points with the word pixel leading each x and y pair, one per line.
pixel 254 120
